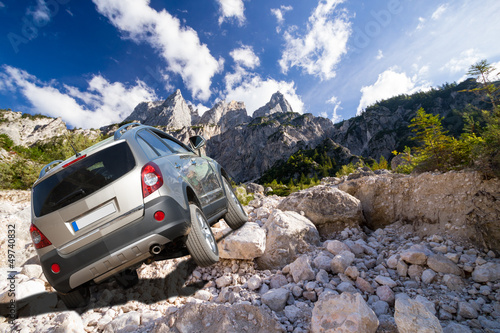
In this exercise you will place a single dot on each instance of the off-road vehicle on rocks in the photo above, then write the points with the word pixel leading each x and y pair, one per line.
pixel 138 196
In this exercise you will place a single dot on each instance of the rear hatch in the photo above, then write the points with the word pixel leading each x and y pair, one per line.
pixel 94 194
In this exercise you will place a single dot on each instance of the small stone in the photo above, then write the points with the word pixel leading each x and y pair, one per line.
pixel 385 294
pixel 455 257
pixel 414 257
pixel 352 272
pixel 453 282
pixel 456 328
pixel 346 287
pixel 402 268
pixel 276 299
pixel 466 310
pixel 364 285
pixel 310 295
pixel 380 308
pixel 322 276
pixel 428 276
pixel 278 281
pixel 223 281
pixel 386 281
pixel 392 261
pixel 297 291
pixel 335 247
pixel 439 263
pixel 415 272
pixel 343 313
pixel 341 261
pixel 486 273
pixel 254 282
pixel 301 269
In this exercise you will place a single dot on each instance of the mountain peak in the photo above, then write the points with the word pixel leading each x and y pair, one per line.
pixel 174 112
pixel 277 103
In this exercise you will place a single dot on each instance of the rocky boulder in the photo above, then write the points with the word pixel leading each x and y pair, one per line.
pixel 414 316
pixel 289 234
pixel 248 242
pixel 215 318
pixel 459 203
pixel 329 208
pixel 343 313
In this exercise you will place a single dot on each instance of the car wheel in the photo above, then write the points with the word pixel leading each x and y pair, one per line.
pixel 236 215
pixel 200 240
pixel 127 278
pixel 76 298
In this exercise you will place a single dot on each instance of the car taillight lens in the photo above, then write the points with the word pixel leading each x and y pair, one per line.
pixel 151 179
pixel 38 238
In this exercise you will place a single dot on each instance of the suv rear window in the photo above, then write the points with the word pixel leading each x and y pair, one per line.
pixel 82 178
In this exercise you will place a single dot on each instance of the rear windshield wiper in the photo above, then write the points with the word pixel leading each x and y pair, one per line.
pixel 70 196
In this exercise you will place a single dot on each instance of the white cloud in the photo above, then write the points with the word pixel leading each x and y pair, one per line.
pixel 319 51
pixel 438 12
pixel 178 45
pixel 336 107
pixel 244 56
pixel 462 63
pixel 279 13
pixel 380 55
pixel 230 9
pixel 40 13
pixel 389 83
pixel 103 102
pixel 256 92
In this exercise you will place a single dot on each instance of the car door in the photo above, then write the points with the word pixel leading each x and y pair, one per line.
pixel 198 172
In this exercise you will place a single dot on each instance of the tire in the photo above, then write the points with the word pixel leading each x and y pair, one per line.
pixel 76 298
pixel 200 241
pixel 127 278
pixel 236 215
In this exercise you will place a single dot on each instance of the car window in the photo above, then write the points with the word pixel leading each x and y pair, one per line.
pixel 178 148
pixel 82 178
pixel 175 146
pixel 155 143
pixel 150 152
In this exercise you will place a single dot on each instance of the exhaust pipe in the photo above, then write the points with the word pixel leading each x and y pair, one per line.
pixel 155 249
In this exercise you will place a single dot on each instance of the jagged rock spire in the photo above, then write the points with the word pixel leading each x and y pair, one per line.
pixel 278 103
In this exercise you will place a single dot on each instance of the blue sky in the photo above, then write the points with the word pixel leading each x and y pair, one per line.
pixel 92 62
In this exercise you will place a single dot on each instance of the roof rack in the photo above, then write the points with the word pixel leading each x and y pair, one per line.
pixel 123 129
pixel 48 167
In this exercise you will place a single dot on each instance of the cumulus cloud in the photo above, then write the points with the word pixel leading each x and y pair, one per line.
pixel 320 49
pixel 232 9
pixel 103 102
pixel 178 45
pixel 389 83
pixel 279 13
pixel 256 92
pixel 249 87
pixel 244 56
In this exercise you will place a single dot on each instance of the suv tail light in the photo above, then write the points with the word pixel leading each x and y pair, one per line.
pixel 151 179
pixel 38 238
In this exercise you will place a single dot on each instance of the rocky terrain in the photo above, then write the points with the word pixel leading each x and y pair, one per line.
pixel 344 256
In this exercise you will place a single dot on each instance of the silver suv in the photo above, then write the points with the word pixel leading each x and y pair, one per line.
pixel 139 196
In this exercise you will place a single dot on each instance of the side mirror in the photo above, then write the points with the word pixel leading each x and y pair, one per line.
pixel 197 142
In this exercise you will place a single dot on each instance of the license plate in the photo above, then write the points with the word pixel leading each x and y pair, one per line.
pixel 93 217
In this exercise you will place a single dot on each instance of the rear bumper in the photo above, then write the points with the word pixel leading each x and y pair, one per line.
pixel 124 247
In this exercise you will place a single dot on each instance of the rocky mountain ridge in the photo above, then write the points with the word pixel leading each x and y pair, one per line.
pixel 248 146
